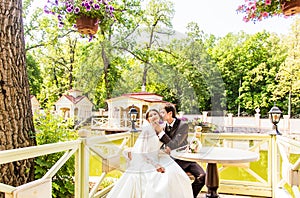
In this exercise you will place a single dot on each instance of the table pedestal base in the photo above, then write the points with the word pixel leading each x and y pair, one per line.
pixel 212 193
pixel 212 180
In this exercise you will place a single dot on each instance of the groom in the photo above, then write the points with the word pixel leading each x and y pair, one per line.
pixel 174 135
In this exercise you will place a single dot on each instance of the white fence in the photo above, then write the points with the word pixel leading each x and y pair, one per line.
pixel 280 171
pixel 286 125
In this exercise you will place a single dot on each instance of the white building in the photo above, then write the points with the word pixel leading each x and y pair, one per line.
pixel 119 107
pixel 35 105
pixel 74 105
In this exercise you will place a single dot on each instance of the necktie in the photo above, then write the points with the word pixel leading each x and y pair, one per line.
pixel 169 127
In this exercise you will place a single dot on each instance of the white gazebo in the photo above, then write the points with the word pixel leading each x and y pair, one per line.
pixel 74 105
pixel 119 107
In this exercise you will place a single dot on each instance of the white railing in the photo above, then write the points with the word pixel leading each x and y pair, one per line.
pixel 112 123
pixel 263 176
pixel 289 170
pixel 275 152
pixel 98 123
pixel 81 148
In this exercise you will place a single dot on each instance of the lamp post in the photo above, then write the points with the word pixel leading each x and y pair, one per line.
pixel 133 116
pixel 275 115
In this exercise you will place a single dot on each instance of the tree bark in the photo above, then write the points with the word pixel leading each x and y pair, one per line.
pixel 106 64
pixel 16 122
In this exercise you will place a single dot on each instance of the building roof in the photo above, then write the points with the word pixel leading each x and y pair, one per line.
pixel 73 99
pixel 142 96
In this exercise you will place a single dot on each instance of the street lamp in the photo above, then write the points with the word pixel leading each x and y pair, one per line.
pixel 275 115
pixel 133 116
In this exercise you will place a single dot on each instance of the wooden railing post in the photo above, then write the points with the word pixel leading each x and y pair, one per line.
pixel 82 167
pixel 275 164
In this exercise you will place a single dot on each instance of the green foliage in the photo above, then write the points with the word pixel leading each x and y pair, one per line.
pixel 34 75
pixel 197 72
pixel 249 65
pixel 52 129
pixel 288 77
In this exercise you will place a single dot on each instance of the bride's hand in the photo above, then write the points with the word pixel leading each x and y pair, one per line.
pixel 157 127
pixel 167 150
pixel 159 168
pixel 129 155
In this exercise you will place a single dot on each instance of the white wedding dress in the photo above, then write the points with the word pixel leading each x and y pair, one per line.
pixel 141 180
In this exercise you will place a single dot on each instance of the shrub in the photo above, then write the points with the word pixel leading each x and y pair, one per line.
pixel 52 129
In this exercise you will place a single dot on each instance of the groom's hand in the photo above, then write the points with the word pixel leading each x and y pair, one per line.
pixel 157 127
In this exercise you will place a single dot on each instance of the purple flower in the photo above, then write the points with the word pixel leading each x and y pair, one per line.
pixel 46 10
pixel 70 9
pixel 66 9
pixel 88 7
pixel 76 10
pixel 60 24
pixel 183 119
pixel 96 6
pixel 111 9
pixel 59 17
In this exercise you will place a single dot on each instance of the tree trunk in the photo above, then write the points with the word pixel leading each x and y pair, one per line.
pixel 16 123
pixel 106 64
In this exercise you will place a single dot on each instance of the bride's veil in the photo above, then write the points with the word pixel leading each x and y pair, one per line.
pixel 145 150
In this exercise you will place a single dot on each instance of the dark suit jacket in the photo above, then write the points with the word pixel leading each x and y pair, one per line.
pixel 178 135
pixel 177 138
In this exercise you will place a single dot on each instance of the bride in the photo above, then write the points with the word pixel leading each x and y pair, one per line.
pixel 151 172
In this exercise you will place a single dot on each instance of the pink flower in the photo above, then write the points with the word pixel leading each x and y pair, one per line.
pixel 245 19
pixel 256 10
pixel 253 7
pixel 265 14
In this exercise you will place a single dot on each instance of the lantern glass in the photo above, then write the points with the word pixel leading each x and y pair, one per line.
pixel 133 117
pixel 132 113
pixel 275 115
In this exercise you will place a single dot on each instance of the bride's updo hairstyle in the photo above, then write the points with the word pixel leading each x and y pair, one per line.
pixel 149 110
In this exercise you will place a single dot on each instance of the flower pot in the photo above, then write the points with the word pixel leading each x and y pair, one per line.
pixel 87 25
pixel 290 7
pixel 205 129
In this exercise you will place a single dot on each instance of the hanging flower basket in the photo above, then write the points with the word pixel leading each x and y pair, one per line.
pixel 87 25
pixel 290 7
pixel 86 15
pixel 257 10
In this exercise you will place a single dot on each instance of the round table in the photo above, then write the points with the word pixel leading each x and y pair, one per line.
pixel 212 156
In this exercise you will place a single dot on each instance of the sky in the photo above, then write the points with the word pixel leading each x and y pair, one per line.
pixel 219 17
